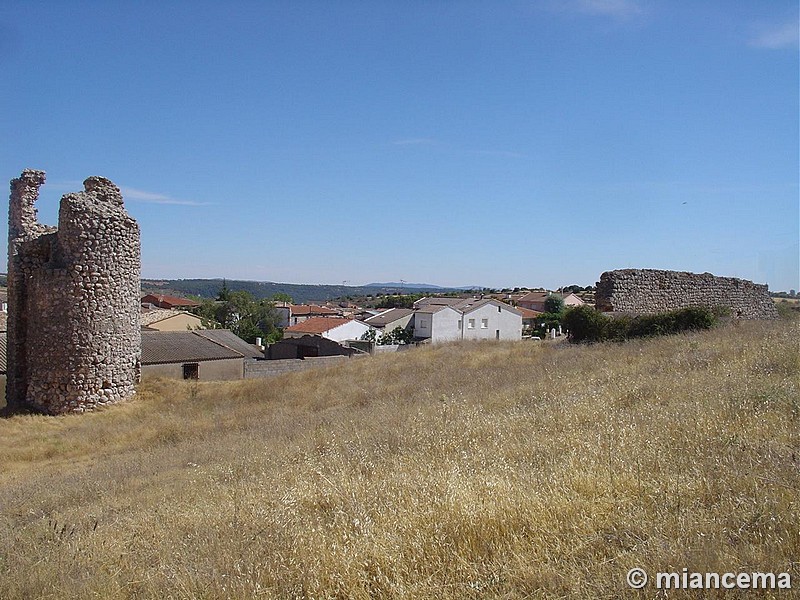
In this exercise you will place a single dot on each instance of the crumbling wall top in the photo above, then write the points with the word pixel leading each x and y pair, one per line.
pixel 103 189
pixel 23 223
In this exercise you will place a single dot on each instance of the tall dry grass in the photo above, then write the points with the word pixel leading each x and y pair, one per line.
pixel 477 470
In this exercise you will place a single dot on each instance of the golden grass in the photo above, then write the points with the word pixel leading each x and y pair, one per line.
pixel 473 470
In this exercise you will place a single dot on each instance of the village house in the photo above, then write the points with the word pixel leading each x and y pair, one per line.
pixel 437 323
pixel 490 319
pixel 429 301
pixel 207 355
pixel 171 302
pixel 535 300
pixel 163 319
pixel 333 328
pixel 449 319
pixel 389 320
pixel 292 314
pixel 528 319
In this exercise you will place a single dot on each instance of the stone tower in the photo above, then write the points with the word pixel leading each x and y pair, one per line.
pixel 74 339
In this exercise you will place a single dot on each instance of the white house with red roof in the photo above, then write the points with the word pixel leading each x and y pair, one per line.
pixel 332 328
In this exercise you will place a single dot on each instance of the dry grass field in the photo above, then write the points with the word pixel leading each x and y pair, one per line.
pixel 482 470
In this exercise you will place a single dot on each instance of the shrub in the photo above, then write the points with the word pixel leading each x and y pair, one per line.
pixel 586 324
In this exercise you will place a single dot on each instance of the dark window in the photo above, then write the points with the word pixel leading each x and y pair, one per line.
pixel 191 371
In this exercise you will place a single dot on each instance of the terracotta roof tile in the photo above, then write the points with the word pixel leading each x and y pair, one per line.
pixel 300 310
pixel 170 300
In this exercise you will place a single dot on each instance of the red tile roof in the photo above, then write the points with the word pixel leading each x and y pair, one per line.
pixel 310 309
pixel 534 297
pixel 168 301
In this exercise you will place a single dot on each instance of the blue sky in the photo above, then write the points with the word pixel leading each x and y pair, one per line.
pixel 451 142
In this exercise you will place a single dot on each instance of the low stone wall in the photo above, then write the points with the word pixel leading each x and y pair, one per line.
pixel 270 368
pixel 648 291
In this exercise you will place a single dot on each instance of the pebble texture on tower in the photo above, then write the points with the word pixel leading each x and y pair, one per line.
pixel 74 337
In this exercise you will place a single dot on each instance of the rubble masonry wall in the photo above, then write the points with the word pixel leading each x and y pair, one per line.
pixel 647 291
pixel 74 336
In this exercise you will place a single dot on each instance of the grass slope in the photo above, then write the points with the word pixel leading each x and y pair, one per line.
pixel 475 470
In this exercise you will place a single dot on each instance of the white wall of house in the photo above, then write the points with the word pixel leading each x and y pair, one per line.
pixel 573 300
pixel 352 330
pixel 402 322
pixel 492 321
pixel 287 319
pixel 439 326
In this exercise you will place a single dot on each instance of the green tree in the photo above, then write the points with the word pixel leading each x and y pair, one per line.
pixel 585 324
pixel 241 313
pixel 281 297
pixel 398 335
pixel 224 292
pixel 554 304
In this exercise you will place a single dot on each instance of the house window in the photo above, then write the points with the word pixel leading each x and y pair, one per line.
pixel 471 324
pixel 423 324
pixel 484 323
pixel 191 371
pixel 459 323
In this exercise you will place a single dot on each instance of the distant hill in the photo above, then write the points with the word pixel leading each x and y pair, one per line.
pixel 300 293
pixel 411 286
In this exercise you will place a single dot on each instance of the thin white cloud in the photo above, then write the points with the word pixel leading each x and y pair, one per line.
pixel 776 37
pixel 64 186
pixel 154 198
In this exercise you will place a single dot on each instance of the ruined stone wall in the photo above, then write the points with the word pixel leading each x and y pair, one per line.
pixel 647 291
pixel 74 336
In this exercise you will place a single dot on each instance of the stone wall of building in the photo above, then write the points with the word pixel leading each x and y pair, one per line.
pixel 74 337
pixel 647 291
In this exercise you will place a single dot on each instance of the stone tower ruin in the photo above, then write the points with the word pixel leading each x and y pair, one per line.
pixel 648 291
pixel 74 338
